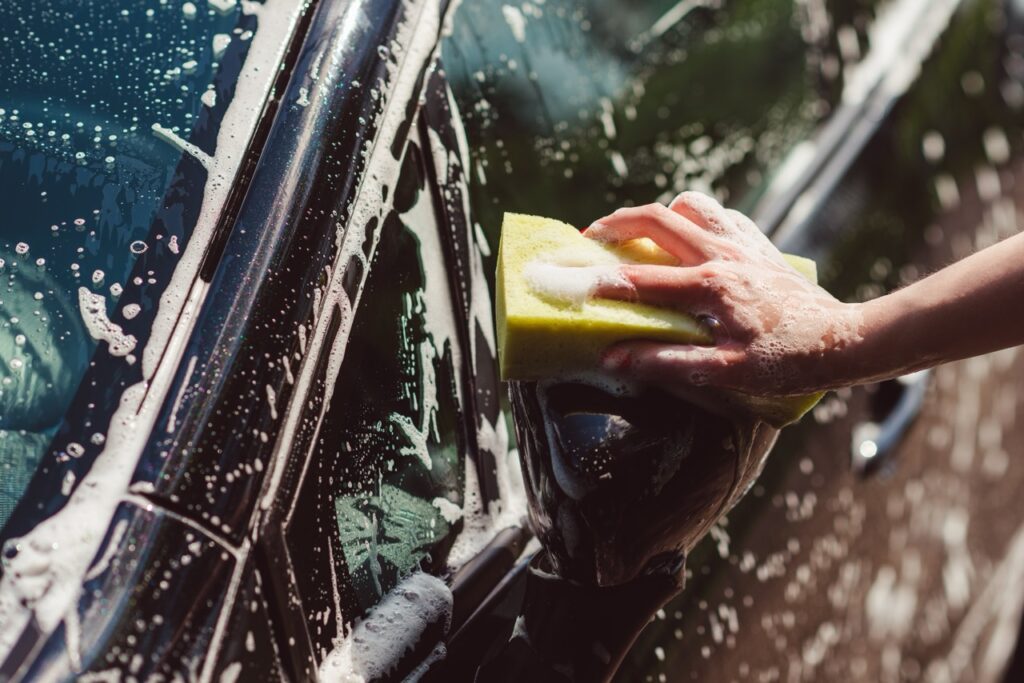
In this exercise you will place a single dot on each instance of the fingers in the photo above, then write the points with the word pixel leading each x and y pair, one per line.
pixel 704 212
pixel 708 214
pixel 668 286
pixel 753 236
pixel 671 231
pixel 744 225
pixel 668 365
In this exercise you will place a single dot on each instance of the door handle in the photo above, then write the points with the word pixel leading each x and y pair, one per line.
pixel 895 406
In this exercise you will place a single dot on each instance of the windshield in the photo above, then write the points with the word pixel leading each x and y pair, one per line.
pixel 97 103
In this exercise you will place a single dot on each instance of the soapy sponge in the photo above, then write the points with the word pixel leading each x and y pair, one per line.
pixel 548 326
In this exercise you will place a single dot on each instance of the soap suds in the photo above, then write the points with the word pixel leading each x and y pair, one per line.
pixel 94 315
pixel 569 284
pixel 481 523
pixel 391 629
pixel 182 145
pixel 222 6
pixel 220 44
pixel 573 277
pixel 516 22
pixel 449 510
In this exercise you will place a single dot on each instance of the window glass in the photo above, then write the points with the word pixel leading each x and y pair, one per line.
pixel 575 108
pixel 384 490
pixel 96 101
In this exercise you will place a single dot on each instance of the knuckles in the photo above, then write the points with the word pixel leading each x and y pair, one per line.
pixel 655 211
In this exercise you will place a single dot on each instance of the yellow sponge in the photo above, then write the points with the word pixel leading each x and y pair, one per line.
pixel 541 336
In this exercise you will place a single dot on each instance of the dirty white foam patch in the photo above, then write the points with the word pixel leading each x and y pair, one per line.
pixel 449 510
pixel 44 578
pixel 390 630
pixel 219 44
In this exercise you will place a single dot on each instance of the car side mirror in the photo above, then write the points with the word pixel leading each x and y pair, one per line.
pixel 622 487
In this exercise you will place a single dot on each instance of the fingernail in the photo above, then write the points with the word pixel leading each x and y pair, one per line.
pixel 596 227
pixel 615 360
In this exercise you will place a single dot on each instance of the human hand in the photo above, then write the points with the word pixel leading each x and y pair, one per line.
pixel 775 333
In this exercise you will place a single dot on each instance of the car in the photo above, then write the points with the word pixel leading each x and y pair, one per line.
pixel 279 449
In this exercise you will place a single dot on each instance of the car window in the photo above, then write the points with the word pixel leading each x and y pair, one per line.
pixel 572 109
pixel 97 104
pixel 383 495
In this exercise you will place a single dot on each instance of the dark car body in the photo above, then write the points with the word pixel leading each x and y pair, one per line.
pixel 320 416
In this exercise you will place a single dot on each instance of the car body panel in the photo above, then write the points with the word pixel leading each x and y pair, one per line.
pixel 235 498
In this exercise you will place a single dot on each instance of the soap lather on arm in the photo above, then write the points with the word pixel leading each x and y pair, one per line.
pixel 778 334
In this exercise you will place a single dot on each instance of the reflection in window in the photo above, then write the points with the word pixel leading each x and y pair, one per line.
pixel 384 490
pixel 573 109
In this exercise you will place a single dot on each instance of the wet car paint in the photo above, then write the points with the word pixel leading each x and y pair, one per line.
pixel 621 487
pixel 262 591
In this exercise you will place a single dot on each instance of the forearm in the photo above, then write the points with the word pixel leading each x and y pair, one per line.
pixel 971 307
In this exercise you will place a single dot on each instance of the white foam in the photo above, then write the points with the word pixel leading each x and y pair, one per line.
pixel 516 22
pixel 222 6
pixel 449 510
pixel 220 44
pixel 94 315
pixel 182 145
pixel 389 631
pixel 480 523
pixel 569 284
